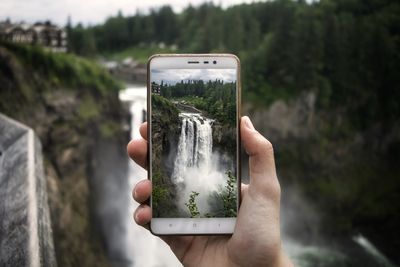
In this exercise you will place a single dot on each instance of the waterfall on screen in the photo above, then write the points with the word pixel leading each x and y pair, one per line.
pixel 196 166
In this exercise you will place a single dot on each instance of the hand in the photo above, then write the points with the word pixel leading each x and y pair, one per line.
pixel 256 240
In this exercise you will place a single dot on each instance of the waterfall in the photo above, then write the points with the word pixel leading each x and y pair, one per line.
pixel 194 146
pixel 196 167
pixel 144 248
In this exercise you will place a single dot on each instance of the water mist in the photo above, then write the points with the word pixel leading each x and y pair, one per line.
pixel 196 167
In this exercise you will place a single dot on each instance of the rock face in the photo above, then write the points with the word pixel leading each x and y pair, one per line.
pixel 25 230
pixel 282 121
pixel 224 138
pixel 70 114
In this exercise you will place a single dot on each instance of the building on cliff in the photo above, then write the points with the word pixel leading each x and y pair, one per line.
pixel 155 88
pixel 45 34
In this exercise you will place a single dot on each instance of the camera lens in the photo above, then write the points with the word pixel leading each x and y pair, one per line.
pixel 215 62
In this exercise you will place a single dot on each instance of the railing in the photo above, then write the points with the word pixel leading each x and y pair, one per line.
pixel 25 229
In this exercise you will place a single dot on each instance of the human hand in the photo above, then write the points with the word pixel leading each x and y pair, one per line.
pixel 256 240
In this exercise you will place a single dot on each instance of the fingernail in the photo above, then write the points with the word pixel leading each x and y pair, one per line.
pixel 134 194
pixel 136 215
pixel 248 123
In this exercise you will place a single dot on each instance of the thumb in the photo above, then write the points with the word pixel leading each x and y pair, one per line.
pixel 261 158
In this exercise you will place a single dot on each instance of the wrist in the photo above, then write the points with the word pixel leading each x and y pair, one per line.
pixel 281 260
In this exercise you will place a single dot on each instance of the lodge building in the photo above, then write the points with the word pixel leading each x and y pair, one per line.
pixel 45 34
pixel 155 88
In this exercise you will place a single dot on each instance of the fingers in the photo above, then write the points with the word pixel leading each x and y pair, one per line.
pixel 143 130
pixel 137 150
pixel 261 161
pixel 142 191
pixel 142 215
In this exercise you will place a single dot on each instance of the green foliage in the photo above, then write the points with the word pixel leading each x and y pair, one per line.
pixel 140 53
pixel 163 106
pixel 159 194
pixel 64 70
pixel 161 203
pixel 164 190
pixel 197 102
pixel 88 109
pixel 223 203
pixel 109 129
pixel 192 206
pixel 229 196
pixel 217 98
pixel 343 51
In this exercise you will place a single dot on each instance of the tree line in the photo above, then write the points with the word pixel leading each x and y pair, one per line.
pixel 342 50
pixel 217 98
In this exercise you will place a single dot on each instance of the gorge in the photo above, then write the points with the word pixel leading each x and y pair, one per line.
pixel 69 122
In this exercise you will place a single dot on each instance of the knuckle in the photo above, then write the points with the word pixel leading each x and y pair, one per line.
pixel 270 190
pixel 267 146
pixel 276 189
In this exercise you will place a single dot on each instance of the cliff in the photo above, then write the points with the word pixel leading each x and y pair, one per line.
pixel 71 104
pixel 347 176
pixel 166 129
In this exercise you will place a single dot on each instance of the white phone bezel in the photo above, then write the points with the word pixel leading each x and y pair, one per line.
pixel 193 226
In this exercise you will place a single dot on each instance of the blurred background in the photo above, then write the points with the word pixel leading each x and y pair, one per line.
pixel 320 80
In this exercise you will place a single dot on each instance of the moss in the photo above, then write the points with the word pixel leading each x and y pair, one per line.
pixel 109 129
pixel 88 109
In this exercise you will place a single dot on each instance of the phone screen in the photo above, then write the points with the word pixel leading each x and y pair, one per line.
pixel 194 142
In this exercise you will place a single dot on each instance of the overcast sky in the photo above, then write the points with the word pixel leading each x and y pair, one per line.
pixel 89 11
pixel 172 76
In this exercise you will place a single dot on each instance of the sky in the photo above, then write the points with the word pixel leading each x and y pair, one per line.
pixel 89 12
pixel 172 76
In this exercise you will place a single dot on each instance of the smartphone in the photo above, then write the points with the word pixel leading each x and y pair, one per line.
pixel 193 137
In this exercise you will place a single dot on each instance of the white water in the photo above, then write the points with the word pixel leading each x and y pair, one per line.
pixel 144 248
pixel 371 249
pixel 299 216
pixel 196 167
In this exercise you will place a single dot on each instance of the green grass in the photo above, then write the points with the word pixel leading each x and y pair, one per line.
pixel 139 53
pixel 63 70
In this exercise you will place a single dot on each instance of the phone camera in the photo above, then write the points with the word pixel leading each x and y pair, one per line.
pixel 215 62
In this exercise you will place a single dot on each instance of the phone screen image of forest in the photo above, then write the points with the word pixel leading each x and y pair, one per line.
pixel 194 143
